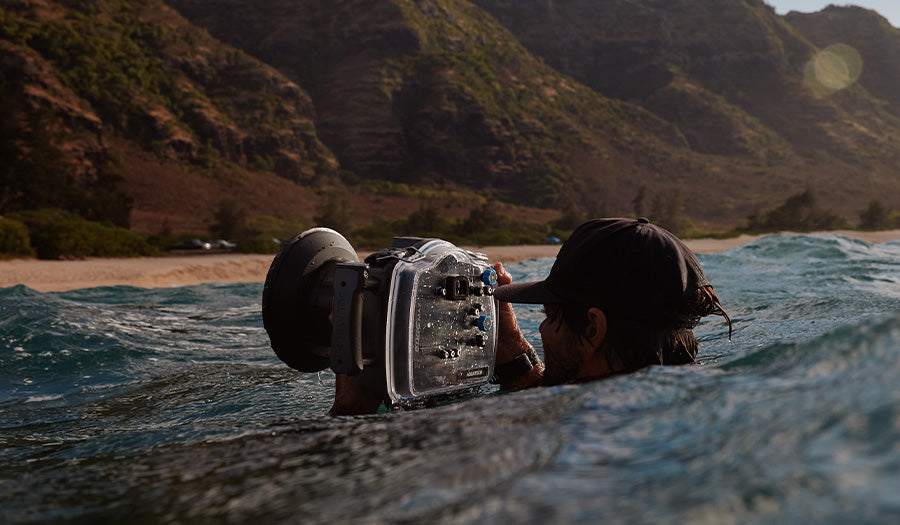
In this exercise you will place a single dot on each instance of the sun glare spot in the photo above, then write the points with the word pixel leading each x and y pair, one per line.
pixel 834 68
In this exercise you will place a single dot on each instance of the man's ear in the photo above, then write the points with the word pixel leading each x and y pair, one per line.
pixel 596 327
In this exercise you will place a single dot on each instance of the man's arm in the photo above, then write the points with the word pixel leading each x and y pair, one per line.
pixel 351 398
pixel 511 343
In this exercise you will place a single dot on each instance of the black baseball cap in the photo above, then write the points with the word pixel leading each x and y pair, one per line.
pixel 625 267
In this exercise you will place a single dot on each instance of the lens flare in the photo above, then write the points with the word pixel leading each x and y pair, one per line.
pixel 834 68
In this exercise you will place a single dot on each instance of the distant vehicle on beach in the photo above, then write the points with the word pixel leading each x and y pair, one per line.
pixel 192 244
pixel 198 247
pixel 222 244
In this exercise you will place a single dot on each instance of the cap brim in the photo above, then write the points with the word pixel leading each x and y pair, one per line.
pixel 528 293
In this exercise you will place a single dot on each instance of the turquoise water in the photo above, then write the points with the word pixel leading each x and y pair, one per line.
pixel 159 405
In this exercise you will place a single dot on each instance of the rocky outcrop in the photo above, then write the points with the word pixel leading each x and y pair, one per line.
pixel 168 86
pixel 250 113
pixel 336 52
pixel 430 91
pixel 723 71
pixel 868 34
pixel 29 79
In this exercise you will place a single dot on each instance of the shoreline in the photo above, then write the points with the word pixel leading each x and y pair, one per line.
pixel 186 270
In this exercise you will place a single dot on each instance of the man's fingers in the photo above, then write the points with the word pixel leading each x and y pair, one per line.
pixel 503 276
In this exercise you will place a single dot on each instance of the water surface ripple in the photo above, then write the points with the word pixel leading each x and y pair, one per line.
pixel 168 405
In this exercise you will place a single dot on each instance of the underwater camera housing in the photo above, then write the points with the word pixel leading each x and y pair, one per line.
pixel 415 321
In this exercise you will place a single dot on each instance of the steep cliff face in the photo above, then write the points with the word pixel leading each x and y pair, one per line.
pixel 869 34
pixel 728 73
pixel 654 53
pixel 31 81
pixel 336 52
pixel 719 106
pixel 140 71
pixel 421 91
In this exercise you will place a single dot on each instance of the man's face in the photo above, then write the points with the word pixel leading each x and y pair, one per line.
pixel 563 354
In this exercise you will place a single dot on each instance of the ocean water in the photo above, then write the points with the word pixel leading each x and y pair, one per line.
pixel 126 404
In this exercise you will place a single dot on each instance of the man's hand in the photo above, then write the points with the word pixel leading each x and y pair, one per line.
pixel 351 398
pixel 510 341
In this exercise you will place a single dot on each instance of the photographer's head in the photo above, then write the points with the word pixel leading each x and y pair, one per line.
pixel 622 294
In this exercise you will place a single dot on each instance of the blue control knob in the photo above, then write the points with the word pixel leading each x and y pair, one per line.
pixel 484 323
pixel 489 277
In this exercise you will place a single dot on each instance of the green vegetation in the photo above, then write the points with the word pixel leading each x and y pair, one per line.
pixel 475 108
pixel 232 222
pixel 229 220
pixel 165 85
pixel 459 97
pixel 14 239
pixel 668 212
pixel 55 234
pixel 481 84
pixel 484 225
pixel 40 175
pixel 52 233
pixel 104 61
pixel 877 217
pixel 799 212
pixel 335 209
pixel 264 234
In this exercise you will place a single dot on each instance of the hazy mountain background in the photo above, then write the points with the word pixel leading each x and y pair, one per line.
pixel 169 116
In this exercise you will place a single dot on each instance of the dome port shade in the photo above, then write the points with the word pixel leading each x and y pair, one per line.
pixel 298 294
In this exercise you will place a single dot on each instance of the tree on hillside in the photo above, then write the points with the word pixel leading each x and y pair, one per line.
pixel 874 217
pixel 484 218
pixel 229 220
pixel 668 212
pixel 34 172
pixel 427 220
pixel 639 201
pixel 798 212
pixel 335 209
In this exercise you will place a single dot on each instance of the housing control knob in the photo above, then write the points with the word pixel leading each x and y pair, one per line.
pixel 489 277
pixel 484 323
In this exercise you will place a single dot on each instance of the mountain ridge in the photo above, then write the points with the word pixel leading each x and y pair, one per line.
pixel 574 104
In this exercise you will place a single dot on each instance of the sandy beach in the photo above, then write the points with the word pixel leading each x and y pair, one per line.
pixel 164 272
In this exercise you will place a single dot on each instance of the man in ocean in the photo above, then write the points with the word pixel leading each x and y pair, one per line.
pixel 622 294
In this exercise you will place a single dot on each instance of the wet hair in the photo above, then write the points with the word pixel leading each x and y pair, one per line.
pixel 633 342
